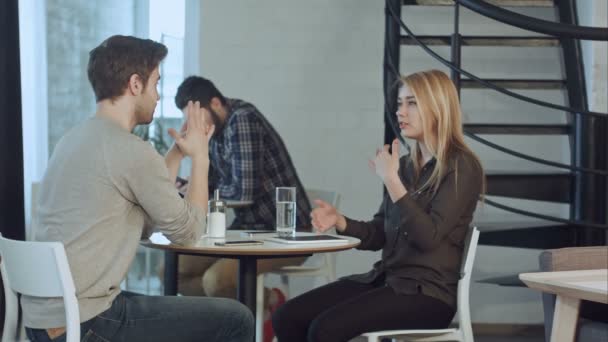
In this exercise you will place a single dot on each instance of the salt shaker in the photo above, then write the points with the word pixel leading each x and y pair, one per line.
pixel 216 217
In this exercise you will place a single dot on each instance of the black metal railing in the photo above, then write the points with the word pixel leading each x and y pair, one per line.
pixel 551 28
pixel 502 90
pixel 555 29
pixel 489 84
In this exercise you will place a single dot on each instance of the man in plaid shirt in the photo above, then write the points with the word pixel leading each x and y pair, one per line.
pixel 248 161
pixel 248 157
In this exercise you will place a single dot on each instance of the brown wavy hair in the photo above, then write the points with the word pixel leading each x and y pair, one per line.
pixel 112 63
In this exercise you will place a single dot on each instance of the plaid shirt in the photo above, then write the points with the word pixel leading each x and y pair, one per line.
pixel 248 161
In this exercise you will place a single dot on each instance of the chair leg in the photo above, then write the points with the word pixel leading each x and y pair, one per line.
pixel 22 334
pixel 259 308
pixel 330 259
pixel 285 285
pixel 126 281
pixel 466 333
pixel 147 270
pixel 13 325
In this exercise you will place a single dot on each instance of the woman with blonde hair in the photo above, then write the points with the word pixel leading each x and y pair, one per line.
pixel 421 226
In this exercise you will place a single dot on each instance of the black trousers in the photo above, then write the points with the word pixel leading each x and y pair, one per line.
pixel 345 309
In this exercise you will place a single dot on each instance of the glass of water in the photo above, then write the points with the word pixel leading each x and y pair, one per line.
pixel 286 211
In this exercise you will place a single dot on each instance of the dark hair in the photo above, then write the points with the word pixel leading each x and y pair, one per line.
pixel 112 63
pixel 196 88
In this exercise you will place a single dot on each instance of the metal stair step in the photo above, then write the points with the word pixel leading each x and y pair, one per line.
pixel 505 3
pixel 529 41
pixel 502 226
pixel 506 280
pixel 516 84
pixel 537 234
pixel 517 129
pixel 557 236
pixel 533 185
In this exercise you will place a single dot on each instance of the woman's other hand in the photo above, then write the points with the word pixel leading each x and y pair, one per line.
pixel 325 216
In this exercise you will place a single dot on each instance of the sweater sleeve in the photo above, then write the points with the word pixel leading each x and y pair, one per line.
pixel 146 182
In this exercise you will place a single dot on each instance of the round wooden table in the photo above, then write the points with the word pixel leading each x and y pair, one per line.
pixel 246 255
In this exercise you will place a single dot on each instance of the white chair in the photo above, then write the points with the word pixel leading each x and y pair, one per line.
pixel 463 332
pixel 38 269
pixel 326 265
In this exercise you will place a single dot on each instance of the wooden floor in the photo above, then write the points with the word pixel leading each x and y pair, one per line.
pixel 487 338
pixel 509 339
pixel 137 283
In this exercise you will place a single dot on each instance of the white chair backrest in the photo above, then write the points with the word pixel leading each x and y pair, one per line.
pixel 44 263
pixel 466 270
pixel 330 197
pixel 470 249
pixel 39 269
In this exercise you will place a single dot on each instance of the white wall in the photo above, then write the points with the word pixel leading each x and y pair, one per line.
pixel 73 28
pixel 55 39
pixel 191 37
pixel 595 53
pixel 314 68
pixel 32 28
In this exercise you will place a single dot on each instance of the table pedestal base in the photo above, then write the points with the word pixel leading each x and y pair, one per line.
pixel 247 284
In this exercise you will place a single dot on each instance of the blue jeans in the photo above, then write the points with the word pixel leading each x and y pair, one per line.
pixel 134 317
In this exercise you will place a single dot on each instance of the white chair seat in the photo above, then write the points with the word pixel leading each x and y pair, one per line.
pixel 417 335
pixel 421 332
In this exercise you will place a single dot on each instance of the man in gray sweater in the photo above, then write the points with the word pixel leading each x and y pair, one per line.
pixel 101 185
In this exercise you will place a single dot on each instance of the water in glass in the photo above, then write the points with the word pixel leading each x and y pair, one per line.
pixel 286 211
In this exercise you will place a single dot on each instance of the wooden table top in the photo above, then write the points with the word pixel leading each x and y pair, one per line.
pixel 206 246
pixel 584 284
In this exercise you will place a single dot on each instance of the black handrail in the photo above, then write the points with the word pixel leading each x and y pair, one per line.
pixel 392 119
pixel 524 98
pixel 533 24
pixel 534 159
pixel 479 139
pixel 490 85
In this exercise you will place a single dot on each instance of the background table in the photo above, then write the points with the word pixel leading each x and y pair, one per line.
pixel 570 287
pixel 246 255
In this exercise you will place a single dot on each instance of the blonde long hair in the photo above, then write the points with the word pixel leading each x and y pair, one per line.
pixel 441 117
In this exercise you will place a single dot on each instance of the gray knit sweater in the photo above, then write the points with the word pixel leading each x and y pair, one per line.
pixel 101 184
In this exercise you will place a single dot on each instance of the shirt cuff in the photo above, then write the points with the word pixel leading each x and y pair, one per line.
pixel 353 229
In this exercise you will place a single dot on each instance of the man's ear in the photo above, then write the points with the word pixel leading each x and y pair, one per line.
pixel 215 104
pixel 135 86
